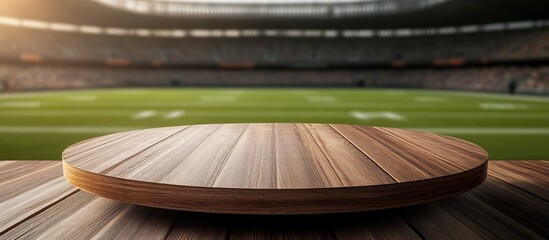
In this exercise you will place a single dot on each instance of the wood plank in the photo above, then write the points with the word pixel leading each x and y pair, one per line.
pixel 155 224
pixel 193 169
pixel 514 203
pixel 39 175
pixel 539 165
pixel 108 156
pixel 281 227
pixel 295 166
pixel 348 162
pixel 11 171
pixel 431 149
pixel 460 146
pixel 528 182
pixel 96 142
pixel 8 166
pixel 373 226
pixel 85 222
pixel 430 219
pixel 239 172
pixel 415 155
pixel 535 171
pixel 485 220
pixel 3 164
pixel 319 159
pixel 400 168
pixel 47 218
pixel 193 226
pixel 144 166
pixel 124 223
pixel 23 202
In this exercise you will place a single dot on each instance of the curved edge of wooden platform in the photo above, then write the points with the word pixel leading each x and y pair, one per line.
pixel 278 201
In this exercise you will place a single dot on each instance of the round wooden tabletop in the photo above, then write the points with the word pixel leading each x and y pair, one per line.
pixel 276 168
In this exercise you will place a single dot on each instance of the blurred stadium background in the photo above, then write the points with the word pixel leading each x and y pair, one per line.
pixel 74 69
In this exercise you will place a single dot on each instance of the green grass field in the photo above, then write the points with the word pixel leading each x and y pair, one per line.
pixel 40 125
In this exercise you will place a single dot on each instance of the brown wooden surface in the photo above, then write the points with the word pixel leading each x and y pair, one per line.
pixel 275 168
pixel 38 204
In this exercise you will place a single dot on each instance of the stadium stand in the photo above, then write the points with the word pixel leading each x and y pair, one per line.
pixel 440 50
pixel 460 62
pixel 350 44
pixel 534 80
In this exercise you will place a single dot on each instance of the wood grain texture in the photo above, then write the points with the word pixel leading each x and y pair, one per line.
pixel 34 186
pixel 497 209
pixel 270 168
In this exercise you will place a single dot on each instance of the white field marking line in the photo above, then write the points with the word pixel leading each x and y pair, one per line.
pixel 498 96
pixel 341 114
pixel 487 131
pixel 429 99
pixel 21 104
pixel 20 95
pixel 485 115
pixel 84 98
pixel 258 114
pixel 144 114
pixel 322 99
pixel 372 115
pixel 287 104
pixel 62 130
pixel 174 114
pixel 218 98
pixel 262 104
pixel 104 129
pixel 61 113
pixel 29 94
pixel 199 113
pixel 503 106
pixel 49 93
pixel 300 114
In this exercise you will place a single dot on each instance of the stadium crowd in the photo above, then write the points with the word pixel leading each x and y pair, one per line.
pixel 518 45
pixel 492 46
pixel 492 79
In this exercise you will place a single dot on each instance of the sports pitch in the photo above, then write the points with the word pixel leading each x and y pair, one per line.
pixel 40 125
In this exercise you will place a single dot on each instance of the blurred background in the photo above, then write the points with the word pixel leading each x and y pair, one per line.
pixel 75 69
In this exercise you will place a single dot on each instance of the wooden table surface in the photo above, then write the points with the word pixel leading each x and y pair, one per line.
pixel 37 203
pixel 275 168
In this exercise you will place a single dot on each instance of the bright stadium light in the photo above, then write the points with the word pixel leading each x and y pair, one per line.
pixel 265 1
pixel 268 8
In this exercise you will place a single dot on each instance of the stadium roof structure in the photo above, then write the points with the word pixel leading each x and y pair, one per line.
pixel 268 9
pixel 275 14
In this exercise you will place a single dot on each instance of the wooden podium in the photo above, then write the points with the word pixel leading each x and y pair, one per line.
pixel 275 168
